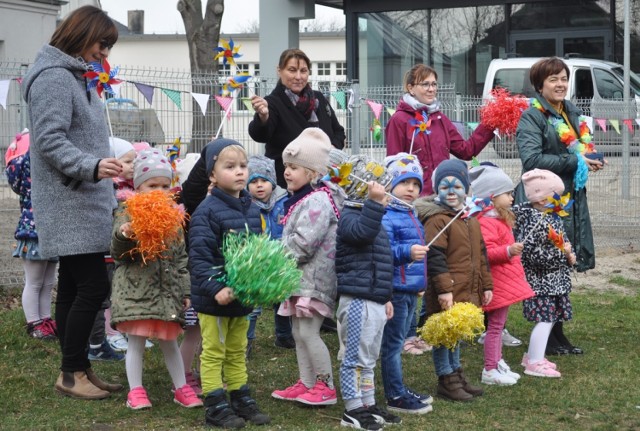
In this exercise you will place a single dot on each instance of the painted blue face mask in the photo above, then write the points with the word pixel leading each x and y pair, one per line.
pixel 451 186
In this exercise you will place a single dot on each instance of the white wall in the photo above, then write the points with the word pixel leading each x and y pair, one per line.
pixel 24 27
pixel 171 51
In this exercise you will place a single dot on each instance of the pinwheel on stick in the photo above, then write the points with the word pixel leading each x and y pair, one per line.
pixel 102 77
pixel 556 206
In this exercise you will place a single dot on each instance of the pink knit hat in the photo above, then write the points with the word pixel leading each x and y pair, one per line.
pixel 539 184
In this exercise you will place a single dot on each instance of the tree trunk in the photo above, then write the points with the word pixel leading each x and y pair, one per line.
pixel 202 37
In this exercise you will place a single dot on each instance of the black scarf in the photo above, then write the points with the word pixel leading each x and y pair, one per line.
pixel 297 197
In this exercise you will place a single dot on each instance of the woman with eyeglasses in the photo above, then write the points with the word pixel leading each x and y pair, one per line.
pixel 72 192
pixel 419 127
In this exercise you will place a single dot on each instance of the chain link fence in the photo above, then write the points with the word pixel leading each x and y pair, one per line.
pixel 614 193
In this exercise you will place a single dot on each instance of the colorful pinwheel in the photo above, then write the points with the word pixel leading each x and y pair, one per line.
pixel 557 205
pixel 227 51
pixel 102 77
pixel 476 205
pixel 234 83
pixel 173 152
pixel 556 238
pixel 421 123
pixel 339 174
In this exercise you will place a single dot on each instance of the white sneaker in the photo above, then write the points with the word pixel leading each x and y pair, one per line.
pixel 481 338
pixel 505 369
pixel 118 343
pixel 495 377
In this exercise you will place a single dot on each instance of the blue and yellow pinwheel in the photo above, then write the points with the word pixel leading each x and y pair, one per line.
pixel 228 52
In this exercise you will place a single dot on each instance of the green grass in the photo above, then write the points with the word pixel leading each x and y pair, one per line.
pixel 624 282
pixel 598 391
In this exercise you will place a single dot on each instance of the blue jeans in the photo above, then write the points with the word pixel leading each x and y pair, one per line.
pixel 404 306
pixel 253 319
pixel 445 361
pixel 413 327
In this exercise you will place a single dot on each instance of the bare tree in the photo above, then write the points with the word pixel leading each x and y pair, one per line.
pixel 203 34
pixel 251 26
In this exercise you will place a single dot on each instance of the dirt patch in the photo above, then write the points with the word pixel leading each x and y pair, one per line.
pixel 623 267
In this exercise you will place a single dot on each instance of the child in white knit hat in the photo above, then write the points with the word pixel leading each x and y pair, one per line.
pixel 310 224
pixel 547 259
pixel 510 286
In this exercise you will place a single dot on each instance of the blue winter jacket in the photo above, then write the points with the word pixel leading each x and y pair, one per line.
pixel 273 212
pixel 404 230
pixel 218 215
pixel 364 264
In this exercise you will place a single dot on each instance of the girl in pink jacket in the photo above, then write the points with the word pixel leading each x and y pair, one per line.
pixel 509 283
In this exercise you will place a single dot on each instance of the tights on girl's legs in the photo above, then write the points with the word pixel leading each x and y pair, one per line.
pixel 172 359
pixel 39 278
pixel 314 360
pixel 538 341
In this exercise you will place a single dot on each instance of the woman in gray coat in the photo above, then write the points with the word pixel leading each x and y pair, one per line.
pixel 72 191
pixel 542 146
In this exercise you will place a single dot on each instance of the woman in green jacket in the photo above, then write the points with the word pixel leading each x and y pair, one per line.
pixel 552 135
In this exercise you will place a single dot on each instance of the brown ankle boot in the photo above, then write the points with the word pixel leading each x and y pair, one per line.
pixel 475 391
pixel 101 384
pixel 450 387
pixel 77 385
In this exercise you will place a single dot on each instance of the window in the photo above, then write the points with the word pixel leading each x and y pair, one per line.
pixel 256 69
pixel 323 69
pixel 607 84
pixel 341 68
pixel 224 68
pixel 514 80
pixel 242 68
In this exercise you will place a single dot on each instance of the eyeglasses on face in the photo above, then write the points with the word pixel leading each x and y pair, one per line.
pixel 427 85
pixel 105 45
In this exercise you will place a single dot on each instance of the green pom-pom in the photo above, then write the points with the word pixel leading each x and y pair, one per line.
pixel 259 270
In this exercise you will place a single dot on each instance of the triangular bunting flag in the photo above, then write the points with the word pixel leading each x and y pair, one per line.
pixel 602 123
pixel 473 125
pixel 19 80
pixel 629 124
pixel 174 96
pixel 589 121
pixel 616 125
pixel 246 101
pixel 202 100
pixel 4 92
pixel 375 107
pixel 116 89
pixel 391 111
pixel 225 103
pixel 340 98
pixel 146 90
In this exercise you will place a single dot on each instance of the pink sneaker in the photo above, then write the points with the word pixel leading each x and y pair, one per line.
pixel 541 369
pixel 422 345
pixel 191 381
pixel 319 395
pixel 411 348
pixel 525 361
pixel 291 393
pixel 137 399
pixel 186 397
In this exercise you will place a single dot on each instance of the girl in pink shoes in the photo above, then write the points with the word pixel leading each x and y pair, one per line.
pixel 547 259
pixel 150 295
pixel 510 286
pixel 310 224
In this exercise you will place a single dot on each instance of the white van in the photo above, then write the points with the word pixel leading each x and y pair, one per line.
pixel 595 86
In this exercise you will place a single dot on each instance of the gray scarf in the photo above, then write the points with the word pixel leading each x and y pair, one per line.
pixel 418 106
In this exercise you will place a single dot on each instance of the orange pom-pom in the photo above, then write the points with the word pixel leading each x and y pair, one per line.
pixel 156 221
pixel 503 111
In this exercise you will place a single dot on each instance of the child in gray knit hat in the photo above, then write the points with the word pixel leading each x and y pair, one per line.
pixel 270 198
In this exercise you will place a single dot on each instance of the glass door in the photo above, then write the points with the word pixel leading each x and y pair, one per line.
pixel 594 43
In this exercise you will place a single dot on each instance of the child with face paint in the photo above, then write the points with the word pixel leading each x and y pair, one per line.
pixel 457 268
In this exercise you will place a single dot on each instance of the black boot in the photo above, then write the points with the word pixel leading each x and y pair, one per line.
pixel 554 345
pixel 246 407
pixel 219 413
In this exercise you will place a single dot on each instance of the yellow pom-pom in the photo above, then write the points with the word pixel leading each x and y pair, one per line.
pixel 463 321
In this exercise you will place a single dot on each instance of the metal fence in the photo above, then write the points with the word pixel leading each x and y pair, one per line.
pixel 614 193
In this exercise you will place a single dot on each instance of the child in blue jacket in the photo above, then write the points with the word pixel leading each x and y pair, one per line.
pixel 406 235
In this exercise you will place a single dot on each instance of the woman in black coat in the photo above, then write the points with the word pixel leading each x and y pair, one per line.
pixel 290 108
